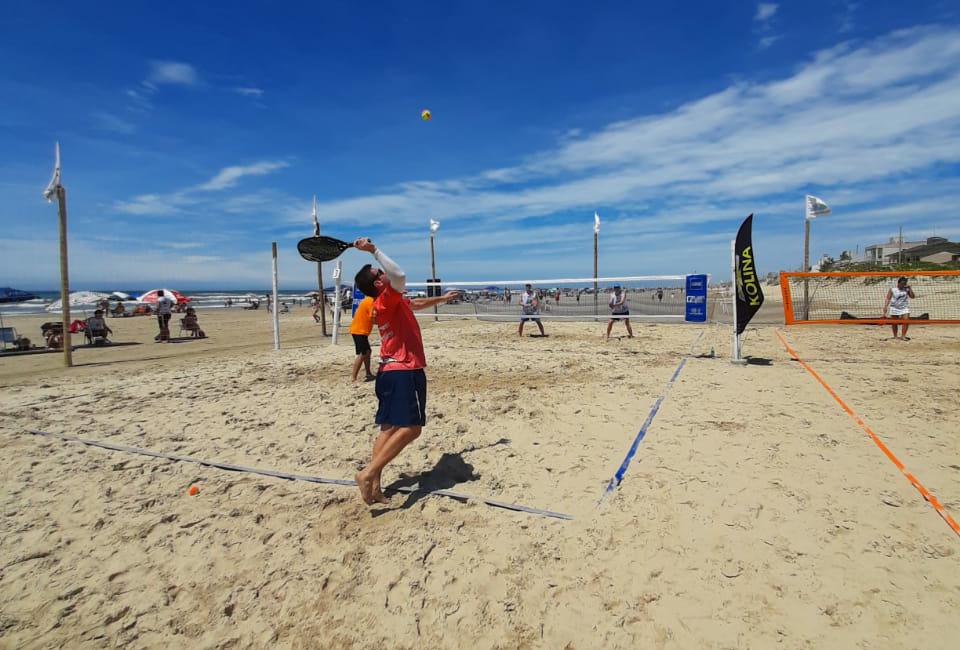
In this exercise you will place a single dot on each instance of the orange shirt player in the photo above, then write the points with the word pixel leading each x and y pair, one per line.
pixel 360 328
pixel 401 384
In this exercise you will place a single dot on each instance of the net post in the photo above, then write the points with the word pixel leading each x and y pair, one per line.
pixel 276 306
pixel 336 300
pixel 787 298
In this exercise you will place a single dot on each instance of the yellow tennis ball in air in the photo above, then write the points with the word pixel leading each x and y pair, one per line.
pixel 425 115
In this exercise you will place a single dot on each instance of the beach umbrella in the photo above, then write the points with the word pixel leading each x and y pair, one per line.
pixel 151 296
pixel 78 299
pixel 119 295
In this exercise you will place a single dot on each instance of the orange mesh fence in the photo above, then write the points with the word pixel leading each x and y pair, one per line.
pixel 838 298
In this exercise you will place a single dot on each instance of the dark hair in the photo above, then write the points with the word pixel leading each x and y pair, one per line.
pixel 902 278
pixel 364 281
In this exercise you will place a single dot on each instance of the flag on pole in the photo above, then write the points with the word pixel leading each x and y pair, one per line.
pixel 596 223
pixel 434 225
pixel 51 190
pixel 316 222
pixel 816 207
pixel 749 293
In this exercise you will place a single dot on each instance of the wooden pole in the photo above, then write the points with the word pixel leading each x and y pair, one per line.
pixel 323 297
pixel 276 304
pixel 806 267
pixel 323 300
pixel 64 277
pixel 596 237
pixel 900 253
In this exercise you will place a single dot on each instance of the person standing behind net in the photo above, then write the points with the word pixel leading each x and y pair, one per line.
pixel 360 328
pixel 897 302
pixel 164 312
pixel 618 308
pixel 401 386
pixel 529 309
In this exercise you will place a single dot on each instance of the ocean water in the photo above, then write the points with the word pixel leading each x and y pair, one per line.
pixel 198 299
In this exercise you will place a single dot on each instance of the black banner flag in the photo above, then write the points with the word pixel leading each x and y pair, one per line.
pixel 749 293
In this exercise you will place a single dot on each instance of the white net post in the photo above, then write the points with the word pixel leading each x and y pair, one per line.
pixel 336 300
pixel 735 351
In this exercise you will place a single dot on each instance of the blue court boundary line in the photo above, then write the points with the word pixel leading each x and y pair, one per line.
pixel 299 477
pixel 618 476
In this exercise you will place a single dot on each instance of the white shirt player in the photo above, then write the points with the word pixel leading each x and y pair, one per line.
pixel 528 303
pixel 899 302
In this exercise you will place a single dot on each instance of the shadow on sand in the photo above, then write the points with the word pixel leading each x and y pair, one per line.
pixel 450 471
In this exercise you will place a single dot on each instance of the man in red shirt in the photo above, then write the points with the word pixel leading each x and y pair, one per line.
pixel 401 384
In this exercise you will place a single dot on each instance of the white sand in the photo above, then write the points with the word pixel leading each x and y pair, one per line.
pixel 755 514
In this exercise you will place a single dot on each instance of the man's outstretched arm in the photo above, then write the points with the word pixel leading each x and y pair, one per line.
pixel 416 304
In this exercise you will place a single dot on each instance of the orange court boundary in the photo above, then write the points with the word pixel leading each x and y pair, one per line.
pixel 788 318
pixel 932 500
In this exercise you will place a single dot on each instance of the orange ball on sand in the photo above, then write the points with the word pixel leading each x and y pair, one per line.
pixel 193 491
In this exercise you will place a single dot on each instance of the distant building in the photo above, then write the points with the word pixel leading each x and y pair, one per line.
pixel 935 250
pixel 878 253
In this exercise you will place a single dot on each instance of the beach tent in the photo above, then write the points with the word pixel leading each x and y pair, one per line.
pixel 151 296
pixel 119 295
pixel 78 299
pixel 15 295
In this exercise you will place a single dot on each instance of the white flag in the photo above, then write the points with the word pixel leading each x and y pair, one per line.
pixel 816 207
pixel 51 190
pixel 316 223
pixel 434 225
pixel 596 223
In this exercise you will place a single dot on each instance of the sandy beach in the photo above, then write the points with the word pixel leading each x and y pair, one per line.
pixel 756 513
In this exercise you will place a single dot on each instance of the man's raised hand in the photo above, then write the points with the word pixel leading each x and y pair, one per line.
pixel 364 244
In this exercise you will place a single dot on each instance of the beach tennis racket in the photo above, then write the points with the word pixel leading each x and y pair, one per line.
pixel 322 249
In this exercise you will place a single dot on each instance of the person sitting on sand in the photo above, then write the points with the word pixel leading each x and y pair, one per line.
pixel 96 327
pixel 401 384
pixel 897 301
pixel 529 309
pixel 618 308
pixel 119 310
pixel 191 323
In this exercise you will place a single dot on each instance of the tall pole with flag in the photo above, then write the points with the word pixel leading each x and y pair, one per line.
pixel 813 208
pixel 596 239
pixel 322 298
pixel 54 188
pixel 434 227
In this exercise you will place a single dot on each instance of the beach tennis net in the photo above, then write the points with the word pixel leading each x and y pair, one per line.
pixel 652 297
pixel 843 298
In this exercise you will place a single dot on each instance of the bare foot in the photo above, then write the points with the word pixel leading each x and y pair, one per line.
pixel 378 495
pixel 365 483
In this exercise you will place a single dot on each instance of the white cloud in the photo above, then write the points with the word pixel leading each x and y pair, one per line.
pixel 229 176
pixel 172 72
pixel 767 41
pixel 765 11
pixel 178 201
pixel 109 122
pixel 249 92
pixel 850 115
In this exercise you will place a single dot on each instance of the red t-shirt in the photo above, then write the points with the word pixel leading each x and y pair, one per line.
pixel 400 340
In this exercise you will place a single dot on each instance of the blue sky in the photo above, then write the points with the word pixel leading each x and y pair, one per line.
pixel 193 135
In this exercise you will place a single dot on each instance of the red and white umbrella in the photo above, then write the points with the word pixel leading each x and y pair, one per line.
pixel 151 296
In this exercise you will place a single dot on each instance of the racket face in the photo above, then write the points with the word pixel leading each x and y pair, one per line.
pixel 321 249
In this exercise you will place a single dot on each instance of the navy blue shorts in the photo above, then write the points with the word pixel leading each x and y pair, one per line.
pixel 402 398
